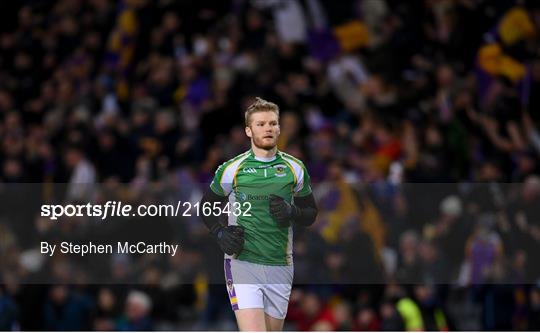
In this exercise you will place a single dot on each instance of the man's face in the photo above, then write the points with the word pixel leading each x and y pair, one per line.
pixel 263 129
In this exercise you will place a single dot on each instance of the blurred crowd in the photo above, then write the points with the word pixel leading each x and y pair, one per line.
pixel 417 120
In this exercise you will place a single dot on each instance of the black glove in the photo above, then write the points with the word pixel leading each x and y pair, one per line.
pixel 230 238
pixel 282 211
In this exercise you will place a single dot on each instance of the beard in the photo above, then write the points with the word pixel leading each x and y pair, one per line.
pixel 261 144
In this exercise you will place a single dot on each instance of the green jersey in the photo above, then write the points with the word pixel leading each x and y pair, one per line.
pixel 248 181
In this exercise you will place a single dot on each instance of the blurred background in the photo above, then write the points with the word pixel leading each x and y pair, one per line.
pixel 417 120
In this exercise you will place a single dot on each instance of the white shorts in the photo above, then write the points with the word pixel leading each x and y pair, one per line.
pixel 256 286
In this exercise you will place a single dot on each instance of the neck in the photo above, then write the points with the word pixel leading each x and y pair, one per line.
pixel 259 152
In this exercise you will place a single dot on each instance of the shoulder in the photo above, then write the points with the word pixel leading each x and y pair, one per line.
pixel 290 158
pixel 226 173
pixel 235 161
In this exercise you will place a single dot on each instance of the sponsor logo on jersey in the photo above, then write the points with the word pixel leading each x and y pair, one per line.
pixel 243 196
pixel 280 170
pixel 249 170
pixel 257 197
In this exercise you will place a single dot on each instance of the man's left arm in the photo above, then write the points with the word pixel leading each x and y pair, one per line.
pixel 306 210
pixel 304 201
pixel 302 211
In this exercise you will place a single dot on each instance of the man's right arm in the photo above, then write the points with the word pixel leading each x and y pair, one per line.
pixel 212 221
pixel 229 238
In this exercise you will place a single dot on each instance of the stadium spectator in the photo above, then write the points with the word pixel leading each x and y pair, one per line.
pixel 137 313
pixel 106 310
pixel 8 312
pixel 422 311
pixel 66 309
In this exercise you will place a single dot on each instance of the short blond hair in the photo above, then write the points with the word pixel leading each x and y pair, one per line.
pixel 260 105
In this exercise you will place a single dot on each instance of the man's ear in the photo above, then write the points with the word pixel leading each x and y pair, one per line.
pixel 248 132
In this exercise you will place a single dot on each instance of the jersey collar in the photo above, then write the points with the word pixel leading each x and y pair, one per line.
pixel 264 159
